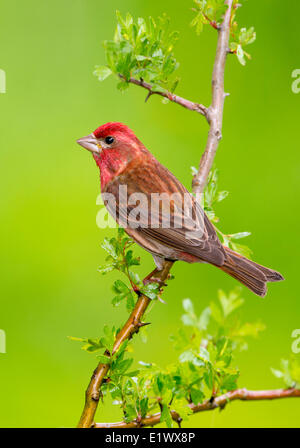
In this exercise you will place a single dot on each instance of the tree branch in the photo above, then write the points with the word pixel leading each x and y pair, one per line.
pixel 214 116
pixel 187 104
pixel 215 111
pixel 208 405
pixel 132 326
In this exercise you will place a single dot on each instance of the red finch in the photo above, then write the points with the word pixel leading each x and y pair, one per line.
pixel 133 178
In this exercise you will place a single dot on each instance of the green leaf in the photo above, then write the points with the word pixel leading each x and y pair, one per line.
pixel 216 312
pixel 105 269
pixel 130 303
pixel 189 356
pixel 197 396
pixel 123 348
pixel 204 319
pixel 229 382
pixel 241 249
pixel 230 303
pixel 142 49
pixel 145 364
pixel 276 372
pixel 109 247
pixel 188 306
pixel 131 260
pixel 240 55
pixel 209 378
pixel 103 359
pixel 221 195
pixel 120 287
pixel 237 236
pixel 144 406
pixel 250 329
pixel 130 412
pixel 188 320
pixel 204 354
pixel 90 345
pixel 117 300
pixel 108 340
pixel 284 373
pixel 124 365
pixel 134 277
pixel 166 416
pixel 151 290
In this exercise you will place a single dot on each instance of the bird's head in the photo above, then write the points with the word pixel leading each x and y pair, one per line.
pixel 109 136
pixel 113 146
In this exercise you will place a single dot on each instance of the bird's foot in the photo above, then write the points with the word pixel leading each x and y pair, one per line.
pixel 154 278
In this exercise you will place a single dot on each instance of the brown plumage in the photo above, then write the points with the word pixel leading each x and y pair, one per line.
pixel 126 162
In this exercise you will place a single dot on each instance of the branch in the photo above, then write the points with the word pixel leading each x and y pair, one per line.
pixel 187 104
pixel 208 405
pixel 215 111
pixel 214 116
pixel 131 327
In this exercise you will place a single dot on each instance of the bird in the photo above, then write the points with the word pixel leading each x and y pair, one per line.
pixel 165 229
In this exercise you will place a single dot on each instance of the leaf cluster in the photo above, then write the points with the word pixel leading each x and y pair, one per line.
pixel 289 372
pixel 142 49
pixel 205 366
pixel 212 12
pixel 121 258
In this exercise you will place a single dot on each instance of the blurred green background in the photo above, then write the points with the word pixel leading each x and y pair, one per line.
pixel 50 246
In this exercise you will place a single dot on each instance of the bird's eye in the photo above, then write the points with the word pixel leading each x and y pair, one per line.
pixel 109 140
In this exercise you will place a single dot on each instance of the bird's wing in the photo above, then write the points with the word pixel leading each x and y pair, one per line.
pixel 170 218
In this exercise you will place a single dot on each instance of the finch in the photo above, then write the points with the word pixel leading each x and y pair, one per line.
pixel 132 176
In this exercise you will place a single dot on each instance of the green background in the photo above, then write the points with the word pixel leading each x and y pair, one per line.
pixel 50 244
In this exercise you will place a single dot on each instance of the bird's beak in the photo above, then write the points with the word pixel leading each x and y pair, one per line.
pixel 90 143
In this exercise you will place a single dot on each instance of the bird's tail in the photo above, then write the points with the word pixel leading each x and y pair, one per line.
pixel 251 274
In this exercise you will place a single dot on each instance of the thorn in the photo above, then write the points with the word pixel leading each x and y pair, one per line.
pixel 178 421
pixel 136 290
pixel 148 96
pixel 226 94
pixel 143 324
pixel 222 407
pixel 212 399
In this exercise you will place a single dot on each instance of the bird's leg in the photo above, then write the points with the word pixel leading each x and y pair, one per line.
pixel 154 278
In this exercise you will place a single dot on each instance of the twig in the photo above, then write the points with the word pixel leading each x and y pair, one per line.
pixel 132 326
pixel 218 402
pixel 187 104
pixel 215 111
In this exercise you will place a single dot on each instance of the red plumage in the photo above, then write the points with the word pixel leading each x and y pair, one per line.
pixel 124 161
pixel 113 128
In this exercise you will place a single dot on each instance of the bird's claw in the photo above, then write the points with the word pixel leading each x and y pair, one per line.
pixel 153 279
